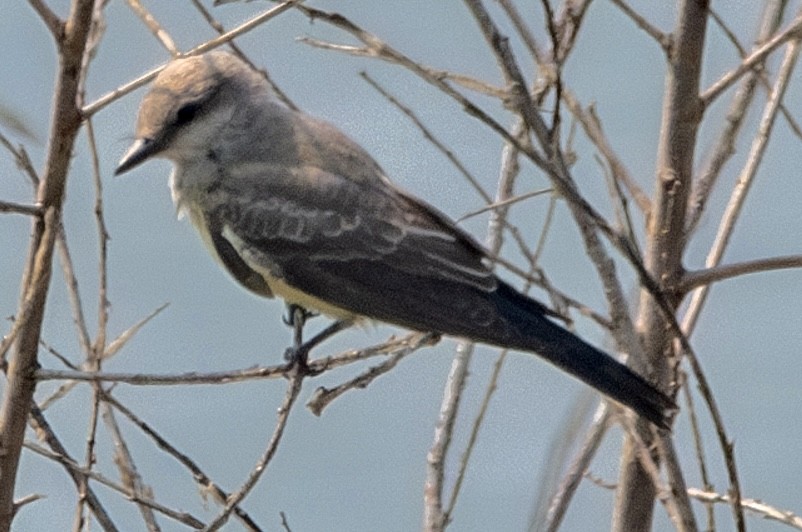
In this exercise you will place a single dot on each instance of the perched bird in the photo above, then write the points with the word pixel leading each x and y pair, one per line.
pixel 294 208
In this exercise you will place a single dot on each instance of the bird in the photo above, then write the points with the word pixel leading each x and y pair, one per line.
pixel 293 208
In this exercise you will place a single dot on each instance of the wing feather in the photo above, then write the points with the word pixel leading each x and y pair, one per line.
pixel 352 244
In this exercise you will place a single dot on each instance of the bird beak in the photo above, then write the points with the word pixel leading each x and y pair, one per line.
pixel 140 150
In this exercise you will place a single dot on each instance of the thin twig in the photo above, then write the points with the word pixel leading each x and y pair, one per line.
pixel 51 20
pixel 465 459
pixel 323 396
pixel 147 77
pixel 662 39
pixel 724 148
pixel 753 60
pixel 679 506
pixel 205 484
pixel 504 203
pixel 753 505
pixel 428 135
pixel 142 379
pixel 129 474
pixel 125 336
pixel 74 469
pixel 19 208
pixel 71 282
pixel 722 239
pixel 220 29
pixel 526 35
pixel 593 129
pixel 742 186
pixel 714 274
pixel 700 453
pixel 433 516
pixel 22 161
pixel 560 501
pixel 153 25
pixel 43 430
pixel 293 389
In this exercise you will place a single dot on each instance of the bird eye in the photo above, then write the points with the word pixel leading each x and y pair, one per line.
pixel 186 113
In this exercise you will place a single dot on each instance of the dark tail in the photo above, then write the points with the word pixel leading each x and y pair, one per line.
pixel 534 332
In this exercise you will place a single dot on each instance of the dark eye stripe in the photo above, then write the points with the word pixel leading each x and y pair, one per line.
pixel 186 113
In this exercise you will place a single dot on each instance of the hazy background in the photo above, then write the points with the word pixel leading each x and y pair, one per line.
pixel 361 465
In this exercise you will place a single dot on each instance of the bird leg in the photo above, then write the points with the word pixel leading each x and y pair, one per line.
pixel 296 318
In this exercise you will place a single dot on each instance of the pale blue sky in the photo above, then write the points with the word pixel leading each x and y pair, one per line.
pixel 361 465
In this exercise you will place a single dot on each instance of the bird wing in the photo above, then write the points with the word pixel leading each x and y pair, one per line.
pixel 361 246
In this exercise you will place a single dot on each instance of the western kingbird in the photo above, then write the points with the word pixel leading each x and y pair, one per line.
pixel 294 208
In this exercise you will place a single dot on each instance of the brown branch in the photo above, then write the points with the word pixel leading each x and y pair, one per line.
pixel 561 499
pixel 699 449
pixel 220 29
pixel 682 113
pixel 74 469
pixel 323 396
pixel 129 474
pixel 593 129
pixel 205 484
pixel 753 505
pixel 293 389
pixel 51 20
pixel 708 276
pixel 724 147
pixel 65 122
pixel 211 44
pixel 18 208
pixel 753 60
pixel 153 25
pixel 659 37
pixel 45 433
pixel 433 516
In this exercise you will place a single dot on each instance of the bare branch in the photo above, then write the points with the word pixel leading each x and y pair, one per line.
pixel 558 505
pixel 682 114
pixel 18 208
pixel 753 505
pixel 724 147
pixel 131 478
pixel 662 39
pixel 745 180
pixel 593 129
pixel 65 123
pixel 51 20
pixel 205 484
pixel 700 452
pixel 708 276
pixel 323 396
pixel 28 499
pixel 45 432
pixel 474 436
pixel 433 516
pixel 74 469
pixel 753 60
pixel 243 28
pixel 153 25
pixel 505 203
pixel 124 337
pixel 293 389
pixel 21 159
